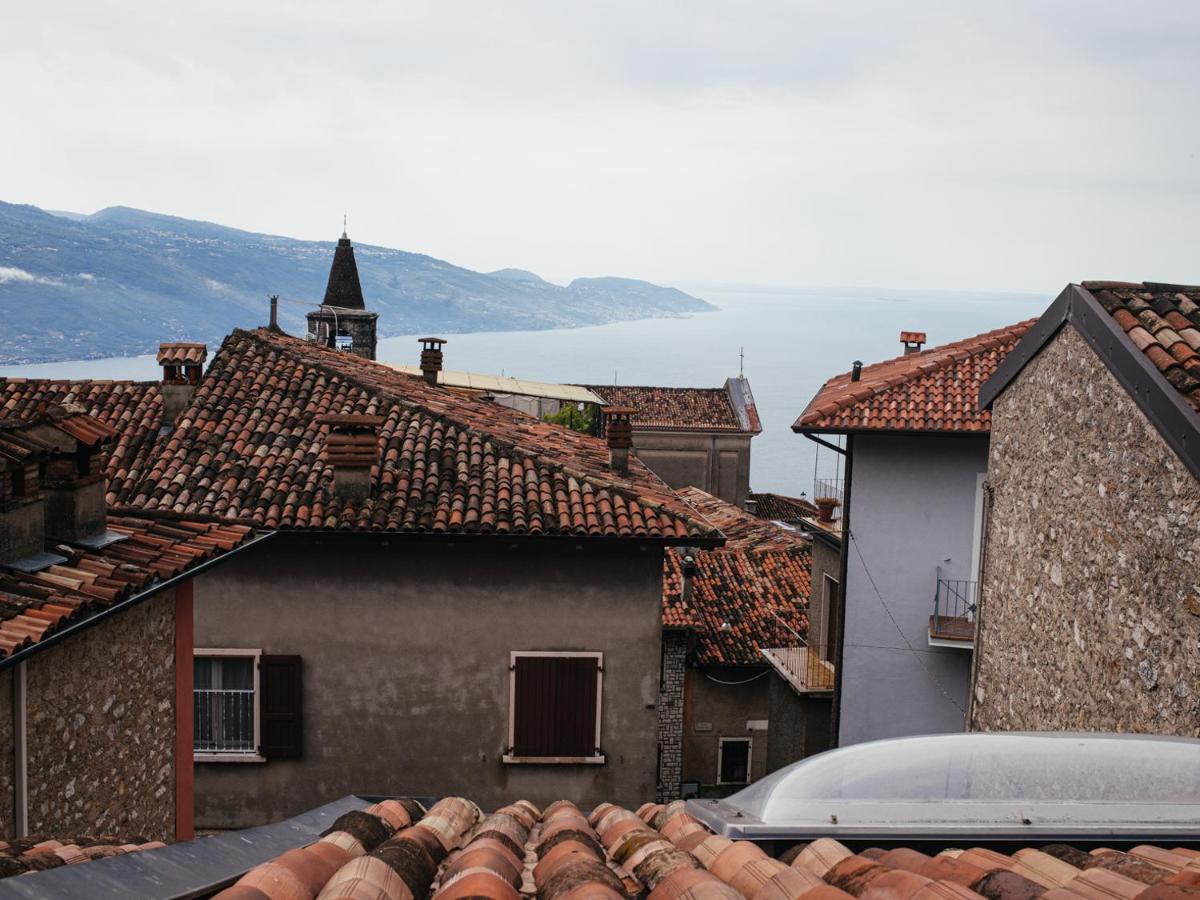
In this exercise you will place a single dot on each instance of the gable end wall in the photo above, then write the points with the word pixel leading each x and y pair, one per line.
pixel 1091 616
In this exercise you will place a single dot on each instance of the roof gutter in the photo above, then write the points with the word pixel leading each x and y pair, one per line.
pixel 96 618
pixel 812 436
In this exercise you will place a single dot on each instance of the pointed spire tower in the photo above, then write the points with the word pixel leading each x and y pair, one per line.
pixel 343 321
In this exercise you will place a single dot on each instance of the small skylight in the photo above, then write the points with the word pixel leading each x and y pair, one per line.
pixel 978 784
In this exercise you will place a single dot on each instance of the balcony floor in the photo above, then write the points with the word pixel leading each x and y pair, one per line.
pixel 951 630
pixel 802 668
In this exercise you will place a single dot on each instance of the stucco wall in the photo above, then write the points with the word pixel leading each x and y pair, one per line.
pixel 727 709
pixel 100 714
pixel 912 508
pixel 718 464
pixel 800 724
pixel 405 648
pixel 826 561
pixel 1091 618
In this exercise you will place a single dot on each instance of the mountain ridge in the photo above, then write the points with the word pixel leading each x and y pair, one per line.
pixel 133 278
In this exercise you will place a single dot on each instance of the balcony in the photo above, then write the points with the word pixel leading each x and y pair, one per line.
pixel 953 621
pixel 801 665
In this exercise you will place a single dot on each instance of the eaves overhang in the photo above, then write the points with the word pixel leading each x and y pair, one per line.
pixel 1159 401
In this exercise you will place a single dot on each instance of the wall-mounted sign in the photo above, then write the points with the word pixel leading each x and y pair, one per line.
pixel 704 726
pixel 756 725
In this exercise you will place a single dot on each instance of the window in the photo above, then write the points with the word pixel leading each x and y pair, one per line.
pixel 733 761
pixel 554 707
pixel 246 706
pixel 829 614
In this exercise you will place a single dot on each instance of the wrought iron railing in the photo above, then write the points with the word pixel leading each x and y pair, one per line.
pixel 223 721
pixel 807 663
pixel 955 602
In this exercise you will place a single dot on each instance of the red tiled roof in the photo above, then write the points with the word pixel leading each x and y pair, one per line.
pixel 133 410
pixel 36 605
pixel 746 589
pixel 763 572
pixel 778 507
pixel 662 852
pixel 936 390
pixel 675 409
pixel 742 530
pixel 1163 322
pixel 36 853
pixel 182 354
pixel 250 449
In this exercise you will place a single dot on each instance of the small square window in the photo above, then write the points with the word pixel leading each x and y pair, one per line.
pixel 225 703
pixel 554 707
pixel 733 761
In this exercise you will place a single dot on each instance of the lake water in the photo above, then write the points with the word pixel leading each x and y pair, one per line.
pixel 793 340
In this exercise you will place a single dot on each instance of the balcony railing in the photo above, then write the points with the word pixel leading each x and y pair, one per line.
pixel 955 603
pixel 803 665
pixel 224 721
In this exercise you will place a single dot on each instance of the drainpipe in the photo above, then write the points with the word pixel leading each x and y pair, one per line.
pixel 836 721
pixel 20 754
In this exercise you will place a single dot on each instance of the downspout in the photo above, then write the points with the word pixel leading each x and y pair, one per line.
pixel 836 712
pixel 20 754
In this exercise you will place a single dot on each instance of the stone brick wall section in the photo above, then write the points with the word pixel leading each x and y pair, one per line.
pixel 101 728
pixel 1090 614
pixel 670 715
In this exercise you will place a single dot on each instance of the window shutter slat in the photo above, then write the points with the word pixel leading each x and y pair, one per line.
pixel 555 698
pixel 281 707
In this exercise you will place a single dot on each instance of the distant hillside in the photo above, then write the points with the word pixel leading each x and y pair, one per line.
pixel 117 282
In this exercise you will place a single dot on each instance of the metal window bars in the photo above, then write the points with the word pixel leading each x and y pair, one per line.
pixel 223 720
pixel 955 602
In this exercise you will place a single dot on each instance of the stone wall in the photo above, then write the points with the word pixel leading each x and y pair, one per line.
pixel 7 798
pixel 670 715
pixel 100 715
pixel 1091 616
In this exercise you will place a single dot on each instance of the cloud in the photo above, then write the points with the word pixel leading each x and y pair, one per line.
pixel 13 275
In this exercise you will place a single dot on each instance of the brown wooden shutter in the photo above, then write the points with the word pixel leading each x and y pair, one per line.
pixel 281 707
pixel 555 698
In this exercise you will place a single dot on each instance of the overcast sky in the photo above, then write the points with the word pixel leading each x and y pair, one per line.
pixel 993 145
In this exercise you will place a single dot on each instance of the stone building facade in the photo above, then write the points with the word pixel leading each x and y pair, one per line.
pixel 1090 613
pixel 100 732
pixel 670 714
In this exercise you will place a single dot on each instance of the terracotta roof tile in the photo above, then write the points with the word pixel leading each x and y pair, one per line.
pixel 132 410
pixel 777 507
pixel 763 572
pixel 936 390
pixel 250 448
pixel 1163 322
pixel 677 409
pixel 35 605
pixel 182 354
pixel 454 852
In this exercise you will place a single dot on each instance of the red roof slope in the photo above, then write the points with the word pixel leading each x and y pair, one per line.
pixel 1163 322
pixel 132 409
pixel 936 390
pixel 251 448
pixel 35 605
pixel 675 409
pixel 779 507
pixel 763 572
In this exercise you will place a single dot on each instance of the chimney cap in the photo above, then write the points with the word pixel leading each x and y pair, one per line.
pixel 912 337
pixel 436 341
pixel 182 353
pixel 613 411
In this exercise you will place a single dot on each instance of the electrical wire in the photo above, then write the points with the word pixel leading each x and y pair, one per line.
pixel 735 683
pixel 916 654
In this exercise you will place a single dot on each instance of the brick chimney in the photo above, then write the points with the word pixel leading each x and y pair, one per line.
pixel 22 508
pixel 618 432
pixel 431 358
pixel 73 479
pixel 912 341
pixel 182 365
pixel 351 450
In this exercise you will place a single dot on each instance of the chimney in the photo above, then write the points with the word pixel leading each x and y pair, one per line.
pixel 274 324
pixel 74 482
pixel 751 507
pixel 856 370
pixel 912 341
pixel 618 432
pixel 182 365
pixel 22 508
pixel 351 449
pixel 431 358
pixel 688 569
